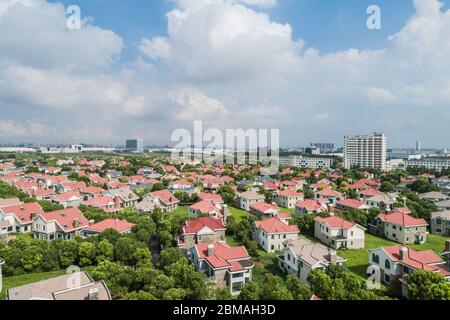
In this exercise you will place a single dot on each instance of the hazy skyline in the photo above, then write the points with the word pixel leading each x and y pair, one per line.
pixel 145 68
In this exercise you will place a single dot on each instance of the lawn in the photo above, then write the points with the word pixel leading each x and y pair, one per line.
pixel 180 212
pixel 358 260
pixel 238 214
pixel 434 242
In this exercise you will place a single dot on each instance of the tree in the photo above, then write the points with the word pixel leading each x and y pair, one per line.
pixel 124 250
pixel 387 186
pixel 117 277
pixel 139 296
pixel 250 291
pixel 186 277
pixel 143 257
pixel 144 230
pixel 105 251
pixel 67 252
pixel 174 294
pixel 169 256
pixel 223 294
pixel 273 289
pixel 427 285
pixel 305 223
pixel 298 290
pixel 49 207
pixel 87 254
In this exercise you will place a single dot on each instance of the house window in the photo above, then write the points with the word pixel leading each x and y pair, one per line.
pixel 387 264
pixel 375 258
pixel 387 278
pixel 289 257
pixel 439 230
pixel 199 238
pixel 439 221
pixel 284 237
pixel 237 287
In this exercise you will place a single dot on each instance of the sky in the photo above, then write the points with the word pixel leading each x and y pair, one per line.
pixel 144 68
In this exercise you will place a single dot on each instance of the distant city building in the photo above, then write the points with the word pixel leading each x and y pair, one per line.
pixel 430 163
pixel 135 145
pixel 306 162
pixel 366 151
pixel 418 146
pixel 323 146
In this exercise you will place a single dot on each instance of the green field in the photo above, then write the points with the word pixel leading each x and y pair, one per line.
pixel 180 212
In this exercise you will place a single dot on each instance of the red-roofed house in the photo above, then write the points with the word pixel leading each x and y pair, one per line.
pixel 203 208
pixel 121 226
pixel 264 209
pixel 224 265
pixel 201 230
pixel 105 203
pixel 339 233
pixel 20 216
pixel 288 198
pixel 61 224
pixel 68 199
pixel 308 207
pixel 166 201
pixel 213 198
pixel 400 227
pixel 369 193
pixel 347 205
pixel 271 233
pixel 91 192
pixel 332 196
pixel 396 262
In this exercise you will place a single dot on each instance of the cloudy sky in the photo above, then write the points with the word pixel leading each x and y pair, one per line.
pixel 143 68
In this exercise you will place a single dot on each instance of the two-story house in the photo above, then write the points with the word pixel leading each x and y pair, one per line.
pixel 61 224
pixel 264 209
pixel 395 263
pixel 121 226
pixel 308 207
pixel 224 265
pixel 246 199
pixel 288 198
pixel 300 256
pixel 400 227
pixel 201 230
pixel 68 199
pixel 348 205
pixel 164 200
pixel 124 197
pixel 440 223
pixel 271 233
pixel 383 202
pixel 332 196
pixel 20 216
pixel 339 233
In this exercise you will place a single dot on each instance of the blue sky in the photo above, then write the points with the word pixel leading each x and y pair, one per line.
pixel 327 25
pixel 228 64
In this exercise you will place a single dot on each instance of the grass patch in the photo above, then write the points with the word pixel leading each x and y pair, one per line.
pixel 434 242
pixel 358 260
pixel 238 214
pixel 180 212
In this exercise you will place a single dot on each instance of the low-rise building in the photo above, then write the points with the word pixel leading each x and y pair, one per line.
pixel 288 198
pixel 20 216
pixel 434 196
pixel 246 199
pixel 348 205
pixel 61 224
pixel 224 265
pixel 382 202
pixel 264 209
pixel 395 263
pixel 440 223
pixel 308 207
pixel 339 233
pixel 400 227
pixel 332 196
pixel 73 286
pixel 121 226
pixel 124 197
pixel 271 233
pixel 165 200
pixel 300 256
pixel 201 230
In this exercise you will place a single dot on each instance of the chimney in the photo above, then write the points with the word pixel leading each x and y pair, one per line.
pixel 210 250
pixel 93 294
pixel 447 246
pixel 76 223
pixel 332 256
pixel 91 222
pixel 403 253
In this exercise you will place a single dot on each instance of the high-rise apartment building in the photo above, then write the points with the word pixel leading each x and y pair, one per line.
pixel 135 145
pixel 366 151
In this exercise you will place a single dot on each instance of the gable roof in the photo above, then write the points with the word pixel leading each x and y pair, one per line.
pixel 224 256
pixel 66 218
pixel 403 219
pixel 203 206
pixel 336 222
pixel 264 207
pixel 309 205
pixel 120 226
pixel 351 203
pixel 23 212
pixel 330 193
pixel 194 226
pixel 165 196
pixel 275 225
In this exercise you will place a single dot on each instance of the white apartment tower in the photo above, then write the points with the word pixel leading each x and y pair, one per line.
pixel 365 151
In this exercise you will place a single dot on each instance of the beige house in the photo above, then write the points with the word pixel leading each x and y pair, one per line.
pixel 339 233
pixel 288 198
pixel 246 199
pixel 440 223
pixel 301 255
